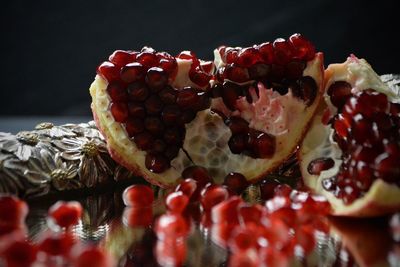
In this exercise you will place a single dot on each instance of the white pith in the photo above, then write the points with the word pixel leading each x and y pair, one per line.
pixel 382 197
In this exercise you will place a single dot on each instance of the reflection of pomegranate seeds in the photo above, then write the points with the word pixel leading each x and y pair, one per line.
pixel 57 244
pixel 171 226
pixel 138 195
pixel 13 211
pixel 92 256
pixel 236 182
pixel 19 253
pixel 138 216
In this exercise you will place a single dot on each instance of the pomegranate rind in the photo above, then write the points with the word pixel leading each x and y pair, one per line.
pixel 207 136
pixel 382 197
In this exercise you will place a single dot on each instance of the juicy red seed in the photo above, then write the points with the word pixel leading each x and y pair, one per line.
pixel 342 124
pixel 156 79
pixel 231 56
pixel 277 73
pixel 132 72
pixel 173 136
pixel 237 125
pixel 119 111
pixel 212 195
pixel 176 202
pixel 116 92
pixel 57 244
pixel 168 95
pixel 169 252
pixel 136 110
pixel 13 211
pixel 143 140
pixel 147 59
pixel 250 214
pixel 171 226
pixel 187 98
pixel 236 73
pixel 259 71
pixel 207 66
pixel 303 48
pixel 168 65
pixel 19 253
pixel 156 163
pixel 65 214
pixel 267 188
pixel 283 190
pixel 367 103
pixel 395 109
pixel 187 116
pixel 267 52
pixel 227 211
pixel 134 126
pixel 237 143
pixel 283 51
pixel 199 77
pixel 154 125
pixel 138 91
pixel 308 89
pixel 170 114
pixel 236 182
pixel 121 57
pixel 92 256
pixel 138 195
pixel 362 130
pixel 242 239
pixel 197 173
pixel 248 57
pixel 318 165
pixel 188 55
pixel 108 71
pixel 187 187
pixel 230 93
pixel 171 152
pixel 138 216
pixel 339 92
pixel 264 145
pixel 387 168
pixel 294 69
pixel 153 104
pixel 158 146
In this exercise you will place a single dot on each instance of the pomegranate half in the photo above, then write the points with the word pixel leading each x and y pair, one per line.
pixel 351 152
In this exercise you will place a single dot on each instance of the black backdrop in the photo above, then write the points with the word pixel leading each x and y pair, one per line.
pixel 50 49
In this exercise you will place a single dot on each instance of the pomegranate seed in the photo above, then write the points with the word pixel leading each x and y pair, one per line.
pixel 237 125
pixel 259 71
pixel 136 110
pixel 92 256
pixel 230 93
pixel 138 91
pixel 273 257
pixel 342 124
pixel 138 216
pixel 282 51
pixel 361 130
pixel 294 69
pixel 176 202
pixel 187 187
pixel 231 55
pixel 156 79
pixel 308 89
pixel 171 152
pixel 65 214
pixel 173 136
pixel 227 211
pixel 221 232
pixel 119 111
pixel 187 55
pixel 199 77
pixel 108 71
pixel 154 125
pixel 236 73
pixel 168 95
pixel 121 57
pixel 13 211
pixel 143 140
pixel 158 146
pixel 305 240
pixel 212 195
pixel 243 239
pixel 187 98
pixel 170 252
pixel 283 190
pixel 156 163
pixel 134 126
pixel 304 49
pixel 171 226
pixel 339 92
pixel 267 52
pixel 117 92
pixel 132 72
pixel 138 195
pixel 267 188
pixel 19 253
pixel 153 105
pixel 207 66
pixel 387 168
pixel 57 244
pixel 248 57
pixel 237 143
pixel 171 114
pixel 197 173
pixel 147 59
pixel 318 165
pixel 250 214
pixel 236 182
pixel 169 65
pixel 264 145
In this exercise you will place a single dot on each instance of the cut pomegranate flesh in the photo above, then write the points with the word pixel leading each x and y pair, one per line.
pixel 145 103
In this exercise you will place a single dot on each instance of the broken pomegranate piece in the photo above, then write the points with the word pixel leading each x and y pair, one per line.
pixel 352 158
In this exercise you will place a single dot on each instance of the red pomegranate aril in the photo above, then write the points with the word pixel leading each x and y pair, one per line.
pixel 147 59
pixel 109 71
pixel 57 244
pixel 187 98
pixel 153 105
pixel 176 202
pixel 137 91
pixel 173 136
pixel 156 79
pixel 143 140
pixel 237 143
pixel 65 214
pixel 138 195
pixel 230 93
pixel 197 173
pixel 187 55
pixel 395 109
pixel 170 252
pixel 92 256
pixel 119 110
pixel 267 52
pixel 132 72
pixel 136 110
pixel 248 57
pixel 294 69
pixel 339 92
pixel 19 253
pixel 154 125
pixel 221 232
pixel 171 225
pixel 156 163
pixel 207 66
pixel 199 77
pixel 13 211
pixel 227 211
pixel 303 49
pixel 283 190
pixel 187 116
pixel 236 182
pixel 259 71
pixel 264 145
pixel 168 65
pixel 168 95
pixel 237 74
pixel 134 126
pixel 121 57
pixel 394 224
pixel 116 92
pixel 388 168
pixel 342 124
pixel 187 187
pixel 364 174
pixel 138 216
pixel 277 73
pixel 250 214
pixel 237 125
pixel 320 164
pixel 308 89
pixel 212 195
pixel 158 146
pixel 231 55
pixel 267 188
pixel 242 239
pixel 282 51
pixel 170 114
pixel 362 130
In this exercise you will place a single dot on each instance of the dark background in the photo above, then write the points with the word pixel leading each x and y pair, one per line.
pixel 50 49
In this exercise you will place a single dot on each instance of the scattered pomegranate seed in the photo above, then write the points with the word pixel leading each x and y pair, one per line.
pixel 318 165
pixel 212 195
pixel 171 226
pixel 236 182
pixel 121 57
pixel 138 216
pixel 138 195
pixel 65 214
pixel 176 202
pixel 13 211
pixel 19 253
pixel 197 173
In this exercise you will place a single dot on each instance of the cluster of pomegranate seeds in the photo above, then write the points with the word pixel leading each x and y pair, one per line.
pixel 64 214
pixel 367 131
pixel 279 66
pixel 153 113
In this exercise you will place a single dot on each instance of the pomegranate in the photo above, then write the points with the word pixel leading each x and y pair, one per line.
pixel 161 114
pixel 351 156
